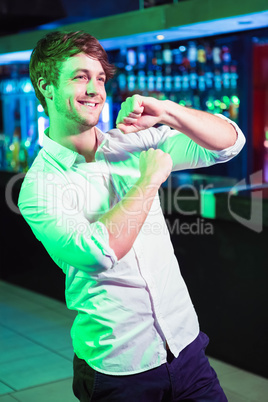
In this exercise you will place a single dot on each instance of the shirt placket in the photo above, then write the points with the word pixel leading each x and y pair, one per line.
pixel 160 324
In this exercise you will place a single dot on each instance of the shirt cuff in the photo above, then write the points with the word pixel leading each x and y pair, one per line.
pixel 233 150
pixel 101 234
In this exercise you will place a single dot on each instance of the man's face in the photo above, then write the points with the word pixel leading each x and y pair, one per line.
pixel 80 95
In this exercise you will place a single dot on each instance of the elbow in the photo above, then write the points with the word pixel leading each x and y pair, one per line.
pixel 233 135
pixel 119 247
pixel 228 140
pixel 120 244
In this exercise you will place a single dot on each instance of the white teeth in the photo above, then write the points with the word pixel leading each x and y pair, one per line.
pixel 89 104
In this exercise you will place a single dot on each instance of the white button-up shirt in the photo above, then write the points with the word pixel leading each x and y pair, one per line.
pixel 129 308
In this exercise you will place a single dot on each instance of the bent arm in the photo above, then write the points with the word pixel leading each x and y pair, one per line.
pixel 70 238
pixel 124 221
pixel 205 129
pixel 192 138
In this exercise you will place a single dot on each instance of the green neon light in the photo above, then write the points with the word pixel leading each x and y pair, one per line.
pixel 207 204
pixel 210 105
pixel 235 100
pixel 226 100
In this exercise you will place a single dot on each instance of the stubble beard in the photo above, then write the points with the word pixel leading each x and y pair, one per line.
pixel 74 117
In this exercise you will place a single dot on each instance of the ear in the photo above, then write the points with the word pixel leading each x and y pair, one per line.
pixel 45 88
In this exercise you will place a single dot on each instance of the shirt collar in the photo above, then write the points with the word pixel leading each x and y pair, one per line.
pixel 64 155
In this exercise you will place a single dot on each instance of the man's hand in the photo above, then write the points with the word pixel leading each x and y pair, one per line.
pixel 124 221
pixel 155 166
pixel 142 112
pixel 138 113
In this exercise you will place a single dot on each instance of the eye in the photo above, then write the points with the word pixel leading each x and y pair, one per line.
pixel 81 77
pixel 102 79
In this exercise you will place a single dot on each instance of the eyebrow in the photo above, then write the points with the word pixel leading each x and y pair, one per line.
pixel 84 70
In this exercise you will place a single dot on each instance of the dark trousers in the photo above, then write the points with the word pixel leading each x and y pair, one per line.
pixel 186 378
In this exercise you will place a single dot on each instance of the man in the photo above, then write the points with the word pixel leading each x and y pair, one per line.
pixel 92 199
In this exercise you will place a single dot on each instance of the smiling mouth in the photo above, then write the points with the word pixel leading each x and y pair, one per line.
pixel 89 104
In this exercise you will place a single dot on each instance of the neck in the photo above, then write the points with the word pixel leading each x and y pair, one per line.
pixel 84 142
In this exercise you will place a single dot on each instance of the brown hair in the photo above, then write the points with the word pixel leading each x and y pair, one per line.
pixel 54 48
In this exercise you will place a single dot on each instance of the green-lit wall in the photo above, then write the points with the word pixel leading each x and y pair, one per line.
pixel 147 20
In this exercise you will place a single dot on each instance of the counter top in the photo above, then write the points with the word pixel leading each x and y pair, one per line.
pixel 211 197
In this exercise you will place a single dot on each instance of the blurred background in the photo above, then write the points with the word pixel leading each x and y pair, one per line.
pixel 206 55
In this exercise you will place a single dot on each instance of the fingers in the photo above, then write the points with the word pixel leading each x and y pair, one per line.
pixel 131 111
pixel 155 165
pixel 126 129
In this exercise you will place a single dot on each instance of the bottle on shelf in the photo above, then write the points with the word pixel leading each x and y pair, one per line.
pixel 2 152
pixel 167 61
pixel 142 58
pixel 131 81
pixel 198 74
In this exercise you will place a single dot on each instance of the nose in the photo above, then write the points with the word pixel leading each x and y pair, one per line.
pixel 91 88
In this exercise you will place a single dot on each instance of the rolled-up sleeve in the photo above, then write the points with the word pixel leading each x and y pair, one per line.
pixel 185 153
pixel 69 238
pixel 228 153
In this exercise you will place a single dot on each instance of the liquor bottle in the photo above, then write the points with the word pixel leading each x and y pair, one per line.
pixel 131 81
pixel 225 55
pixel 201 62
pixel 159 80
pixel 196 102
pixel 201 81
pixel 168 78
pixel 201 55
pixel 186 95
pixel 151 63
pixel 141 57
pixel 2 152
pixel 226 60
pixel 177 56
pixel 15 149
pixel 157 59
pixel 167 68
pixel 122 81
pixel 192 57
pixel 121 60
pixel 216 55
pixel 209 77
pixel 208 105
pixel 234 108
pixel 150 80
pixel 167 55
pixel 209 55
pixel 186 62
pixel 192 53
pixel 150 57
pixel 141 80
pixel 177 69
pixel 217 79
pixel 233 75
pixel 131 57
pixel 177 81
pixel 225 77
pixel 193 78
pixel 225 105
pixel 23 157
